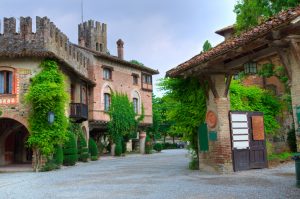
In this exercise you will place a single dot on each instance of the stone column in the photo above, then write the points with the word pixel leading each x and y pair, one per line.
pixel 112 149
pixel 142 142
pixel 219 157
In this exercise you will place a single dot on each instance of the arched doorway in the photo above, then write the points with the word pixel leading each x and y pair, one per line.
pixel 13 149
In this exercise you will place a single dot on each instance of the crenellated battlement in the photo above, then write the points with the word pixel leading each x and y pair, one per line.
pixel 20 40
pixel 93 35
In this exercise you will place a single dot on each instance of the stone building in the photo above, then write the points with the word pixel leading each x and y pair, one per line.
pixel 277 38
pixel 91 75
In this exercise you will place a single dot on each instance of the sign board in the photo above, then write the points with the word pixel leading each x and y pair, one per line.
pixel 258 128
pixel 240 131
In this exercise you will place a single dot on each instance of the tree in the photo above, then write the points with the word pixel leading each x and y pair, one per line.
pixel 188 99
pixel 251 12
pixel 47 93
pixel 136 62
pixel 207 46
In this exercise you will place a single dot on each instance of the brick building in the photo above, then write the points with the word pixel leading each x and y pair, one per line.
pixel 91 76
pixel 277 39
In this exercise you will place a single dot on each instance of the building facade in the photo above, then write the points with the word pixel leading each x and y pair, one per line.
pixel 91 75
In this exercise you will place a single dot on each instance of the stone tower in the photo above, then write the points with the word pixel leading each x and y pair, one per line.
pixel 93 35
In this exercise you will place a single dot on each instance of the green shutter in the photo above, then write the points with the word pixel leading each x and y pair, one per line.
pixel 203 137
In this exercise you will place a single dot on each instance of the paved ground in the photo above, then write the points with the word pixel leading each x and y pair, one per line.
pixel 163 175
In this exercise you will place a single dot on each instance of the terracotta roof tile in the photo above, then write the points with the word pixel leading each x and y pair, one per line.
pixel 272 23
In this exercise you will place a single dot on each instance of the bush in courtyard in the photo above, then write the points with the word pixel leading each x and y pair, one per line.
pixel 83 151
pixel 124 146
pixel 157 147
pixel 118 148
pixel 168 145
pixel 93 149
pixel 70 150
pixel 148 145
pixel 58 155
pixel 49 166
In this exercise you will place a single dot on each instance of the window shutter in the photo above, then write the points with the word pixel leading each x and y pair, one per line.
pixel 1 83
pixel 203 137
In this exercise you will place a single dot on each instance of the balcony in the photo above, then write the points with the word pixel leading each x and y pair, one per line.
pixel 78 112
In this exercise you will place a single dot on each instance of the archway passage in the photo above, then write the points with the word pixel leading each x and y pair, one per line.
pixel 13 137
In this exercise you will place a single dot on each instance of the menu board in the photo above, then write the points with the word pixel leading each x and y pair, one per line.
pixel 258 128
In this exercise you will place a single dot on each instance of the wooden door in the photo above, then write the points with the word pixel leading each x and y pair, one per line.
pixel 248 140
pixel 258 152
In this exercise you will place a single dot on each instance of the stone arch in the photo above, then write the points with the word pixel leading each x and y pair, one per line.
pixel 13 135
pixel 136 94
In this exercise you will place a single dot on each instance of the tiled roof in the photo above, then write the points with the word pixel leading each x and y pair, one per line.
pixel 272 23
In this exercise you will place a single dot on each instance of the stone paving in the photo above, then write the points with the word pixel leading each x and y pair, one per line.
pixel 163 175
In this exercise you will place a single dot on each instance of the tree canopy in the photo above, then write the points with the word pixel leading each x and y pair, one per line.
pixel 250 13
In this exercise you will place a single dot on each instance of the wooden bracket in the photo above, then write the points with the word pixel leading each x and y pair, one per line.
pixel 228 81
pixel 212 86
pixel 285 61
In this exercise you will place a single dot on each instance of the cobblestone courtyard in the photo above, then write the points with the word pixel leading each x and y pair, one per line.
pixel 164 175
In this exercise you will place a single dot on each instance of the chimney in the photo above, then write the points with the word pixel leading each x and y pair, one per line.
pixel 120 45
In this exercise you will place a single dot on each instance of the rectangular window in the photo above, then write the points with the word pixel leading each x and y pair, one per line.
pixel 107 74
pixel 250 68
pixel 147 79
pixel 136 105
pixel 135 79
pixel 106 101
pixel 6 82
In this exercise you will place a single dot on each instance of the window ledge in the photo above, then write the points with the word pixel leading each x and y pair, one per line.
pixel 8 95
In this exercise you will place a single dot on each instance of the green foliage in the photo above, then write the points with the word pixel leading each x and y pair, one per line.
pixel 250 13
pixel 157 147
pixel 168 145
pixel 291 140
pixel 187 97
pixel 124 146
pixel 194 163
pixel 118 149
pixel 58 155
pixel 49 166
pixel 70 150
pixel 136 62
pixel 93 149
pixel 281 157
pixel 1 112
pixel 47 93
pixel 122 117
pixel 252 98
pixel 83 151
pixel 148 145
pixel 207 46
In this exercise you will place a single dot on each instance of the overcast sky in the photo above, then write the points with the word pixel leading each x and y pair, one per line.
pixel 159 33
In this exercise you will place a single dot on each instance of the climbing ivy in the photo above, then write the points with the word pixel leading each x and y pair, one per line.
pixel 188 100
pixel 123 120
pixel 47 93
pixel 253 98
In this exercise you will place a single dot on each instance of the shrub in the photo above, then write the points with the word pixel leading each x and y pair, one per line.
pixel 168 145
pixel 157 147
pixel 83 151
pixel 49 166
pixel 93 149
pixel 148 145
pixel 291 139
pixel 124 146
pixel 58 155
pixel 70 151
pixel 118 148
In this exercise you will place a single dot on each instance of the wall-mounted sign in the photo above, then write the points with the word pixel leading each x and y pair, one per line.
pixel 258 128
pixel 240 130
pixel 211 119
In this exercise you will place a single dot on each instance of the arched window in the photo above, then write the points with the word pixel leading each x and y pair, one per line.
pixel 106 101
pixel 6 82
pixel 136 105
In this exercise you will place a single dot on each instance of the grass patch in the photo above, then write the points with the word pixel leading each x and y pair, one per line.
pixel 281 156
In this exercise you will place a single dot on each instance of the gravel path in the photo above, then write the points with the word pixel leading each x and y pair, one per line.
pixel 164 175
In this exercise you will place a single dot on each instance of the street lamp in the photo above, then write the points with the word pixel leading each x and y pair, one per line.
pixel 51 117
